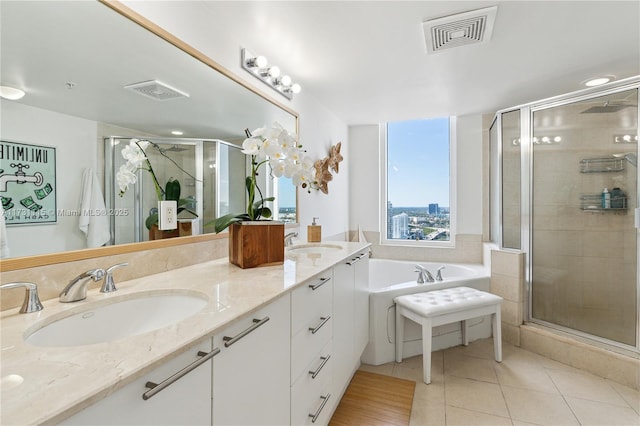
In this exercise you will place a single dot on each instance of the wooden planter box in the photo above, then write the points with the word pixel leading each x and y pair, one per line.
pixel 259 243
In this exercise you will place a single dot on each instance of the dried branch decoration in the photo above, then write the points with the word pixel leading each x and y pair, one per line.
pixel 323 167
pixel 334 157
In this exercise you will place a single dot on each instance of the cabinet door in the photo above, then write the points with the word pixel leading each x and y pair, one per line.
pixel 187 401
pixel 361 296
pixel 343 326
pixel 251 376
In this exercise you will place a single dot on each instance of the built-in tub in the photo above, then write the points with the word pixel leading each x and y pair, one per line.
pixel 392 278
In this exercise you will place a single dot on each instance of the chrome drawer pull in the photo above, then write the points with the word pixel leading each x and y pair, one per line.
pixel 314 417
pixel 354 260
pixel 154 388
pixel 315 329
pixel 319 284
pixel 228 341
pixel 324 361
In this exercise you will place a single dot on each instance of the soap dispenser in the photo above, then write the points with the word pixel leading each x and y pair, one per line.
pixel 314 232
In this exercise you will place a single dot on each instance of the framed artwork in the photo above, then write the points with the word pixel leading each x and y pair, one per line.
pixel 28 183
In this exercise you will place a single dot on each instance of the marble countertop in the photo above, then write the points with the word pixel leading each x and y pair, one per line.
pixel 48 384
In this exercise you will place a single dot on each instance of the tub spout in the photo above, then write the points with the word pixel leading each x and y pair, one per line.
pixel 424 276
pixel 439 273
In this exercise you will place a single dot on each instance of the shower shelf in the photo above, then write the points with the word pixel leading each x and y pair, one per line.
pixel 601 165
pixel 593 203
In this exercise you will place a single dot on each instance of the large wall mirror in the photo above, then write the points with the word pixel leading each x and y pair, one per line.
pixel 75 61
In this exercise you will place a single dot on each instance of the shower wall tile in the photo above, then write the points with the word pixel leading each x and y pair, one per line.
pixel 507 263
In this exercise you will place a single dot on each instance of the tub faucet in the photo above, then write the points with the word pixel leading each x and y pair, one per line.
pixel 288 239
pixel 424 276
pixel 439 274
pixel 77 288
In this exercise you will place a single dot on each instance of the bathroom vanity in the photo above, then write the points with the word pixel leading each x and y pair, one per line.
pixel 272 345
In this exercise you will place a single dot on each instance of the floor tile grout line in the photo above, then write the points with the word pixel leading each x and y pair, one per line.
pixel 502 391
pixel 563 396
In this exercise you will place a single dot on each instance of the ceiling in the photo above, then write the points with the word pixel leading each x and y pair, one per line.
pixel 367 62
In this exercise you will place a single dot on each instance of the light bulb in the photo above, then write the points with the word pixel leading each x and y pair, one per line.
pixel 285 80
pixel 258 62
pixel 557 139
pixel 11 93
pixel 274 72
pixel 295 88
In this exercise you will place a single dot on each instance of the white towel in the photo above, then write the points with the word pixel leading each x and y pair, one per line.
pixel 4 243
pixel 93 218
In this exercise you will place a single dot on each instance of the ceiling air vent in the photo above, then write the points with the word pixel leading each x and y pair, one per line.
pixel 460 29
pixel 157 90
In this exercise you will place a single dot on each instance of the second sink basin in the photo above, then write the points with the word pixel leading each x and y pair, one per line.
pixel 107 320
pixel 314 248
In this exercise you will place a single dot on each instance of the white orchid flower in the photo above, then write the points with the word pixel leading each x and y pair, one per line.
pixel 251 146
pixel 125 177
pixel 133 154
pixel 277 167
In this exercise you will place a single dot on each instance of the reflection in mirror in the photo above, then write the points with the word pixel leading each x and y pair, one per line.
pixel 74 61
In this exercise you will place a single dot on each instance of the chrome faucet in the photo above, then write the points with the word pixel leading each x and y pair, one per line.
pixel 77 288
pixel 424 276
pixel 31 300
pixel 288 239
pixel 439 274
pixel 109 285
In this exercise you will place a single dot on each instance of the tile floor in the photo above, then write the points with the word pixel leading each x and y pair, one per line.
pixel 469 388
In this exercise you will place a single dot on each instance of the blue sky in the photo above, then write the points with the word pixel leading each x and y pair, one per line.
pixel 418 162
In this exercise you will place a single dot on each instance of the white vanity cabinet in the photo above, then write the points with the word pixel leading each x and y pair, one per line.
pixel 312 351
pixel 251 376
pixel 185 401
pixel 351 317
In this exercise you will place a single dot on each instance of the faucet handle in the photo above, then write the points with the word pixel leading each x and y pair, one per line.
pixel 439 275
pixel 109 284
pixel 31 300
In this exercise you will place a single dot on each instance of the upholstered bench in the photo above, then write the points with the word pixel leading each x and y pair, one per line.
pixel 434 308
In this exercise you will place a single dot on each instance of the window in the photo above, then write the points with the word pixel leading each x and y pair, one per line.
pixel 417 169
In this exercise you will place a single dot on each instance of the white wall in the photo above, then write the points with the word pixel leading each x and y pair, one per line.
pixel 364 182
pixel 210 28
pixel 75 142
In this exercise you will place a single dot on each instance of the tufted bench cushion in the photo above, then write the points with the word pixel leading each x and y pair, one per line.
pixel 434 308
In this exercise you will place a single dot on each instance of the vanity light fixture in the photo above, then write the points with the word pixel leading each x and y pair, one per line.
pixel 259 67
pixel 543 140
pixel 11 93
pixel 625 139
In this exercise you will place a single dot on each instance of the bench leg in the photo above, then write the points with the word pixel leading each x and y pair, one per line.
pixel 399 333
pixel 497 334
pixel 426 350
pixel 465 335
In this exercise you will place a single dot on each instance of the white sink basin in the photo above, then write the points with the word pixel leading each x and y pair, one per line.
pixel 314 248
pixel 107 321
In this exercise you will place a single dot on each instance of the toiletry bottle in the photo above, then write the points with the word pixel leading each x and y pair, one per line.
pixel 617 199
pixel 314 232
pixel 606 199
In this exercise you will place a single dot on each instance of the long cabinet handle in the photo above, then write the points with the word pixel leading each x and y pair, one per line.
pixel 154 388
pixel 354 260
pixel 228 341
pixel 324 361
pixel 314 416
pixel 323 321
pixel 320 283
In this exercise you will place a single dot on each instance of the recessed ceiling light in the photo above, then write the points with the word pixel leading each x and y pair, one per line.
pixel 597 81
pixel 177 132
pixel 11 93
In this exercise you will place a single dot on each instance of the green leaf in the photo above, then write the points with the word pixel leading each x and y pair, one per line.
pixel 264 212
pixel 172 190
pixel 151 220
pixel 223 222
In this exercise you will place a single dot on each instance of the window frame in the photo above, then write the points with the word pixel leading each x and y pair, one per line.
pixel 384 241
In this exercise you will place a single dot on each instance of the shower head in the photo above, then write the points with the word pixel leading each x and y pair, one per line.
pixel 629 156
pixel 608 106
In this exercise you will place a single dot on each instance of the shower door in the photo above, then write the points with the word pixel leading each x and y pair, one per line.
pixel 584 253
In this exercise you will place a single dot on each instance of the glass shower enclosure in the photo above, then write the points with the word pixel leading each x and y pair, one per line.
pixel 568 182
pixel 211 174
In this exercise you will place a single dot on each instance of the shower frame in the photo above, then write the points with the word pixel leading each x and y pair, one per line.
pixel 526 193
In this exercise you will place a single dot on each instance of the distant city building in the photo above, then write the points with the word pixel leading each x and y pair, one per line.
pixel 400 226
pixel 433 209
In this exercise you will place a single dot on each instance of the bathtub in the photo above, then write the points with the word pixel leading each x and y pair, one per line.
pixel 391 278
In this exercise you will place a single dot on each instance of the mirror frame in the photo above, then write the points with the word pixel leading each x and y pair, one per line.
pixel 12 264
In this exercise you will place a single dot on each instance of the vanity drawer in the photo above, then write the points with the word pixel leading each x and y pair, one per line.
pixel 310 395
pixel 311 301
pixel 306 344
